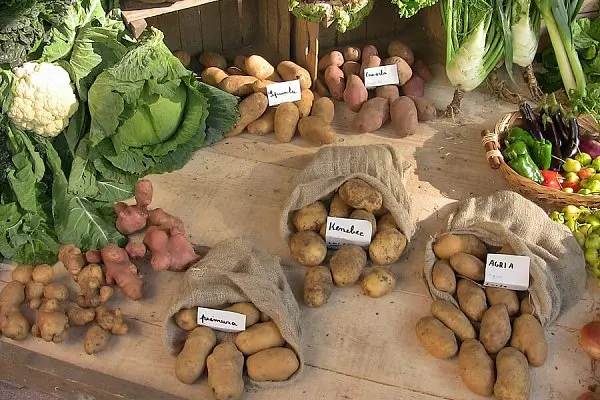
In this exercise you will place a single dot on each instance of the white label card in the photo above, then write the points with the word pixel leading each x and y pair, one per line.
pixel 345 231
pixel 507 271
pixel 381 76
pixel 284 92
pixel 225 321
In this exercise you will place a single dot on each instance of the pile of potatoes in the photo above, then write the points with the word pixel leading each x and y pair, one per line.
pixel 248 78
pixel 495 334
pixel 261 347
pixel 343 73
pixel 355 199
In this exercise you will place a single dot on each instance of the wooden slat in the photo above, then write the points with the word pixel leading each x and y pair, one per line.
pixel 263 25
pixel 169 24
pixel 327 36
pixel 210 17
pixel 134 10
pixel 380 21
pixel 272 23
pixel 231 27
pixel 251 22
pixel 284 29
pixel 191 31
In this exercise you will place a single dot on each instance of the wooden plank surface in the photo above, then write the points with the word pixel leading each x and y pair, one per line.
pixel 211 28
pixel 355 347
pixel 135 10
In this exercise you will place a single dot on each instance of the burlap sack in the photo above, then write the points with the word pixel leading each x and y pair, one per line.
pixel 232 272
pixel 381 166
pixel 557 269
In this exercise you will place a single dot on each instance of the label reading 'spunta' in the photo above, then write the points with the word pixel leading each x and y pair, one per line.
pixel 284 92
pixel 346 231
pixel 219 320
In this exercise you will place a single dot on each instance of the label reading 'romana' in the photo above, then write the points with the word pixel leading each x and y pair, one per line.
pixel 219 320
pixel 381 76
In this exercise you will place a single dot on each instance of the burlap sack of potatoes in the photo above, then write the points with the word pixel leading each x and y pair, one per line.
pixel 234 271
pixel 557 270
pixel 381 166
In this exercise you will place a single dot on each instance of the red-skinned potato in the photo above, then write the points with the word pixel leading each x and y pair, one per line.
pixel 403 113
pixel 332 58
pixel 373 114
pixel 355 93
pixel 389 92
pixel 369 51
pixel 334 78
pixel 404 70
pixel 370 62
pixel 351 68
pixel 351 53
pixel 414 87
pixel 425 110
pixel 421 69
pixel 399 49
pixel 589 396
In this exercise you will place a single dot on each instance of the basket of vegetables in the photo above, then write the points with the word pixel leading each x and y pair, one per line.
pixel 548 154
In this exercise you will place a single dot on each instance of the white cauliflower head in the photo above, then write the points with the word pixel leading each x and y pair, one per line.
pixel 43 99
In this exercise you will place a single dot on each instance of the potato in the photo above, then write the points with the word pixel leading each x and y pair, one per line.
pixel 503 296
pixel 320 87
pixel 378 282
pixel 184 57
pixel 290 71
pixel 212 59
pixel 225 368
pixel 438 340
pixel 332 58
pixel 387 246
pixel 477 369
pixel 235 71
pixel 506 249
pixel 513 381
pixel 323 108
pixel 318 285
pixel 421 69
pixel 403 113
pixel 425 110
pixel 334 79
pixel 262 336
pixel 366 216
pixel 468 266
pixel 443 277
pixel 359 194
pixel 264 317
pixel 372 115
pixel 347 264
pixel 404 70
pixel 526 306
pixel 351 53
pixel 389 92
pixel 323 231
pixel 213 76
pixel 355 93
pixel 369 51
pixel 316 130
pixel 285 122
pixel 339 209
pixel 265 124
pixel 528 337
pixel 311 217
pixel 308 248
pixel 22 274
pixel 43 273
pixel 250 109
pixel 258 67
pixel 351 68
pixel 399 49
pixel 190 363
pixel 305 104
pixel 95 340
pixel 495 330
pixel 471 299
pixel 414 87
pixel 454 319
pixel 276 364
pixel 187 318
pixel 386 221
pixel 450 244
pixel 240 62
pixel 238 85
pixel 56 291
pixel 370 62
pixel 261 86
pixel 248 309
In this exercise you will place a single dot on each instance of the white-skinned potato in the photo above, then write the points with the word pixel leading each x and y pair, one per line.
pixel 324 108
pixel 339 209
pixel 190 363
pixel 186 318
pixel 387 246
pixel 477 369
pixel 386 221
pixel 275 365
pixel 347 264
pixel 248 309
pixel 212 59
pixel 450 244
pixel 285 122
pixel 503 296
pixel 305 104
pixel 213 76
pixel 258 337
pixel 526 306
pixel 311 217
pixel 359 194
pixel 454 319
pixel 513 381
pixel 318 285
pixel 378 282
pixel 264 125
pixel 438 340
pixel 366 216
pixel 308 248
pixel 290 71
pixel 468 266
pixel 471 299
pixel 225 372
pixel 258 67
pixel 529 338
pixel 316 130
pixel 443 277
pixel 495 330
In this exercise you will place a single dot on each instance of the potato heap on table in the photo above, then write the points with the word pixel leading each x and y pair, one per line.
pixel 261 346
pixel 355 199
pixel 343 73
pixel 494 333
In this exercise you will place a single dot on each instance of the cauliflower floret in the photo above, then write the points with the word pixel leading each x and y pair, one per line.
pixel 44 99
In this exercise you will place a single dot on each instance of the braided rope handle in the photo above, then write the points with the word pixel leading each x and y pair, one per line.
pixel 492 148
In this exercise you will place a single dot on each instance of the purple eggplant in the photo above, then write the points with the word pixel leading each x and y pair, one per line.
pixel 590 146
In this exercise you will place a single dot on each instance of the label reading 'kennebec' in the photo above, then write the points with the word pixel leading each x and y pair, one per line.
pixel 342 232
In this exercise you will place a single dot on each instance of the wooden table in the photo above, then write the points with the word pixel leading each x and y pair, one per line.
pixel 355 347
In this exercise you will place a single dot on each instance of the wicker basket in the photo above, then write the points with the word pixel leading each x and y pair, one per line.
pixel 533 190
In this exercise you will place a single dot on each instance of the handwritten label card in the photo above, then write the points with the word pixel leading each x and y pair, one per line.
pixel 381 76
pixel 284 92
pixel 345 231
pixel 225 321
pixel 507 271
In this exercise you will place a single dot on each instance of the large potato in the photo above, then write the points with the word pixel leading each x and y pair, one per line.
pixel 258 337
pixel 454 319
pixel 355 93
pixel 248 309
pixel 190 363
pixel 290 71
pixel 316 130
pixel 370 62
pixel 369 51
pixel 528 337
pixel 332 58
pixel 387 221
pixel 404 70
pixel 513 381
pixel 347 264
pixel 398 49
pixel 225 372
pixel 251 109
pixel 335 81
pixel 324 108
pixel 403 113
pixel 213 76
pixel 471 299
pixel 351 53
pixel 239 85
pixel 285 122
pixel 378 282
pixel 186 318
pixel 359 194
pixel 318 285
pixel 503 296
pixel 443 277
pixel 339 209
pixel 305 104
pixel 212 59
pixel 311 217
pixel 476 368
pixel 389 92
pixel 275 365
pixel 387 246
pixel 468 266
pixel 495 330
pixel 426 111
pixel 438 340
pixel 366 216
pixel 450 244
pixel 351 68
pixel 264 125
pixel 258 67
pixel 372 115
pixel 308 248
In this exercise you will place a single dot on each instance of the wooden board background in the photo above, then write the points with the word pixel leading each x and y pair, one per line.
pixel 355 347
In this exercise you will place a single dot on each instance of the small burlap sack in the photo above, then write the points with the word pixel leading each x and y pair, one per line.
pixel 233 272
pixel 557 269
pixel 381 166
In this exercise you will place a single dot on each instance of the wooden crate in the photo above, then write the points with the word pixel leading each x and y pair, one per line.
pixel 230 27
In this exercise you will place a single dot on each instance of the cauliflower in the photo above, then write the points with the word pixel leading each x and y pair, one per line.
pixel 43 99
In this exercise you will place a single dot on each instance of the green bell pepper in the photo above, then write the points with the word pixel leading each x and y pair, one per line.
pixel 557 217
pixel 592 242
pixel 514 150
pixel 541 153
pixel 520 134
pixel 580 238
